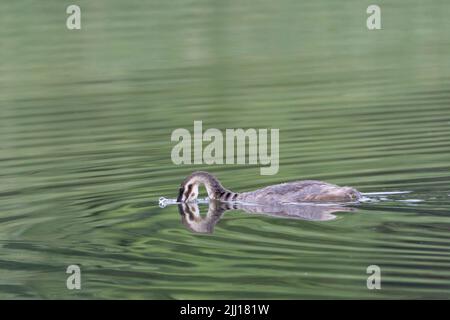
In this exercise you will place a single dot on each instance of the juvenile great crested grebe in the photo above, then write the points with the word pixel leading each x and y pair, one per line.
pixel 297 191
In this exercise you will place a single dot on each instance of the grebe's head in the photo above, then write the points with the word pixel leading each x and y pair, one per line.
pixel 189 187
pixel 188 192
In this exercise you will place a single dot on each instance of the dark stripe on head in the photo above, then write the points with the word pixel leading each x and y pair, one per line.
pixel 234 196
pixel 180 195
pixel 188 191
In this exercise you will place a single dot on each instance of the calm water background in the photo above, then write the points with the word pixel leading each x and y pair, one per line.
pixel 86 119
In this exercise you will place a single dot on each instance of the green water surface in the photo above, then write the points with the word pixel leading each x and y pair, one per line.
pixel 86 118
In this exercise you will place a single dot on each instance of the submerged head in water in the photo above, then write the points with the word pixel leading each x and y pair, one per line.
pixel 297 191
pixel 189 188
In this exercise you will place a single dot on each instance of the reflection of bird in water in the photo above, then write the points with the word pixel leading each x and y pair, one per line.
pixel 298 191
pixel 191 218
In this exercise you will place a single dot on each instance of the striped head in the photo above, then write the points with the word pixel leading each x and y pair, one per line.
pixel 189 188
pixel 188 191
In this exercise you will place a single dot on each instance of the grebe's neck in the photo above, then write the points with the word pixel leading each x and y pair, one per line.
pixel 215 190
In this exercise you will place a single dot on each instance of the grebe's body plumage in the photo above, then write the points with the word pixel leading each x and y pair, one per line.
pixel 298 191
